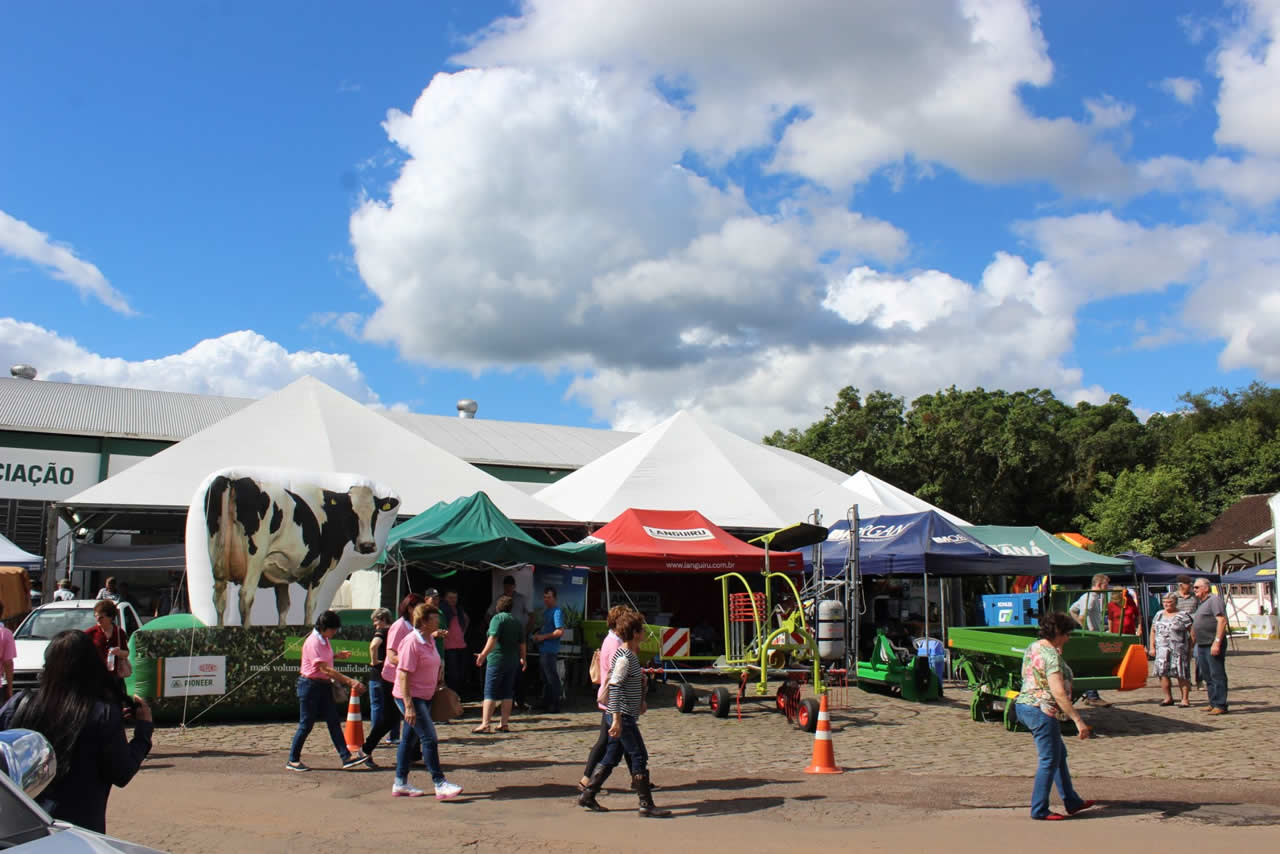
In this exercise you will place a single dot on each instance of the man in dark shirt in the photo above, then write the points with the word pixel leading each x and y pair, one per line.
pixel 1209 634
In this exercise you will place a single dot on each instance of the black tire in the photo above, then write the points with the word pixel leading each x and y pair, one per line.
pixel 807 714
pixel 720 702
pixel 686 698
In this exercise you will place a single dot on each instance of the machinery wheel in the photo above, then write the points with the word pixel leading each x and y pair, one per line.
pixel 780 699
pixel 1010 716
pixel 807 714
pixel 720 702
pixel 686 698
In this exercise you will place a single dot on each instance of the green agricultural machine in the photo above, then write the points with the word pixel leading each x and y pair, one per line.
pixel 900 671
pixel 991 660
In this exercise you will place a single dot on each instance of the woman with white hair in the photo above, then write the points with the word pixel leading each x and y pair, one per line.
pixel 1168 645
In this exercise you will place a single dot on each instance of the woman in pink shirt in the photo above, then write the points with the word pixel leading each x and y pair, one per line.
pixel 608 648
pixel 315 694
pixel 418 675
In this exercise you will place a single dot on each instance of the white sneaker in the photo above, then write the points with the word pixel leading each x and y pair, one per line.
pixel 406 790
pixel 447 791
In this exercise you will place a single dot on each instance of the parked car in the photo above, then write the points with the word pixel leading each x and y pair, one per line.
pixel 27 765
pixel 46 621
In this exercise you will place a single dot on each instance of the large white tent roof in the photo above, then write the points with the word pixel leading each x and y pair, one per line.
pixel 309 426
pixel 13 555
pixel 686 462
pixel 898 501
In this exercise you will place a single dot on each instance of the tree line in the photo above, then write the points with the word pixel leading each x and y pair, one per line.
pixel 1027 458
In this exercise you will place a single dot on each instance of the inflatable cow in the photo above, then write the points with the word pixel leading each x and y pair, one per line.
pixel 249 529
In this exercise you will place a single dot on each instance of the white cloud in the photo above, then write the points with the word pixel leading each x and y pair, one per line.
pixel 1011 329
pixel 346 322
pixel 1248 64
pixel 1184 90
pixel 238 364
pixel 20 240
pixel 1233 278
pixel 542 218
pixel 876 81
pixel 1108 112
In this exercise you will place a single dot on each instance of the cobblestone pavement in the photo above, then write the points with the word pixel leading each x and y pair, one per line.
pixel 874 731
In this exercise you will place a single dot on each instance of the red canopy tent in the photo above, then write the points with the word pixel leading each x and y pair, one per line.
pixel 683 541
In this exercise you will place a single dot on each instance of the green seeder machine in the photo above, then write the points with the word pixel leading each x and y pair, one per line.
pixel 991 660
pixel 899 671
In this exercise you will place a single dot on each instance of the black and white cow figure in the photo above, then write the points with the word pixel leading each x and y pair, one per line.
pixel 266 534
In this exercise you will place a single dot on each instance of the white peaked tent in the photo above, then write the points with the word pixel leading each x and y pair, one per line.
pixel 308 426
pixel 12 555
pixel 899 501
pixel 688 463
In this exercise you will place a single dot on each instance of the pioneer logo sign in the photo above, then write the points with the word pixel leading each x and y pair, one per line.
pixel 683 534
pixel 192 676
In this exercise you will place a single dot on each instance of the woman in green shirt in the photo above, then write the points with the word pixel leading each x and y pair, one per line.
pixel 504 651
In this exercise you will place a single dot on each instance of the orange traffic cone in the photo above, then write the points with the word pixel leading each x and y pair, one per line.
pixel 354 730
pixel 824 755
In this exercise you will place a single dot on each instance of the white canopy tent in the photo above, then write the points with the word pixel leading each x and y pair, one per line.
pixel 12 555
pixel 899 501
pixel 308 426
pixel 686 462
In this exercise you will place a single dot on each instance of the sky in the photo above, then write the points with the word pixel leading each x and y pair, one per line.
pixel 597 213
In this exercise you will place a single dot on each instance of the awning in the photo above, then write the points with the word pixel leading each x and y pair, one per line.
pixel 682 541
pixel 1065 560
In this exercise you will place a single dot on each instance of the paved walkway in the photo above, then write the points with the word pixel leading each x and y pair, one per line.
pixel 1136 737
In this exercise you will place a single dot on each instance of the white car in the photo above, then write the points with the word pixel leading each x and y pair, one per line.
pixel 33 636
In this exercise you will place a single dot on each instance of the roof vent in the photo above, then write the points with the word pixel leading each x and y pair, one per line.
pixel 26 372
pixel 467 408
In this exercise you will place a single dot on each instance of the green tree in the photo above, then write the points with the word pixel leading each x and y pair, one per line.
pixel 1149 510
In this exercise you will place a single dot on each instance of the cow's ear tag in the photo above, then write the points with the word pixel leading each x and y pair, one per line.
pixel 386 505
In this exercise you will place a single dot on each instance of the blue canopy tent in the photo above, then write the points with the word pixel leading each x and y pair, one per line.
pixel 1152 570
pixel 1263 573
pixel 919 544
pixel 915 544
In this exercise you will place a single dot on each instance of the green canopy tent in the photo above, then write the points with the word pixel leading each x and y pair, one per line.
pixel 1065 560
pixel 472 529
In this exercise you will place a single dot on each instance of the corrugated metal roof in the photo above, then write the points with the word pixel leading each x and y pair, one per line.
pixel 45 406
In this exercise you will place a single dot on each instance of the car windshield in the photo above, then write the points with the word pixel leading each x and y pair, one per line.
pixel 19 823
pixel 44 623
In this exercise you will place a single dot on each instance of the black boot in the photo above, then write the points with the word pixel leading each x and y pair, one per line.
pixel 588 797
pixel 640 782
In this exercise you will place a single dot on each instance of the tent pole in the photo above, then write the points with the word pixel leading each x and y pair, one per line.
pixel 926 604
pixel 607 599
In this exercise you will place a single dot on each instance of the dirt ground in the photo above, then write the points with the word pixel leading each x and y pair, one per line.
pixel 916 775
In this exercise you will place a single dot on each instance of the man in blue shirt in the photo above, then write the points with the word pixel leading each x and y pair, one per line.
pixel 549 651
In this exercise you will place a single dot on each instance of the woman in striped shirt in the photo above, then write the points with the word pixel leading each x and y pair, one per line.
pixel 623 708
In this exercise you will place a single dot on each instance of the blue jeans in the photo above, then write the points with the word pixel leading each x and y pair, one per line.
pixel 500 682
pixel 424 732
pixel 550 681
pixel 1053 761
pixel 384 715
pixel 1214 670
pixel 629 741
pixel 315 703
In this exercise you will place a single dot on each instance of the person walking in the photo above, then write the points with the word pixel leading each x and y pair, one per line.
pixel 456 622
pixel 383 713
pixel 315 695
pixel 419 673
pixel 1209 634
pixel 1170 633
pixel 626 688
pixel 504 651
pixel 524 618
pixel 549 650
pixel 1044 701
pixel 75 707
pixel 395 634
pixel 1090 611
pixel 608 647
